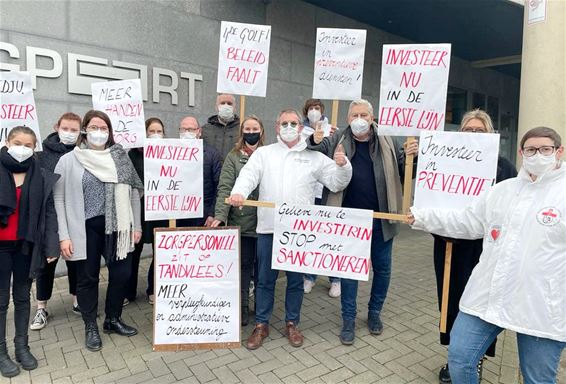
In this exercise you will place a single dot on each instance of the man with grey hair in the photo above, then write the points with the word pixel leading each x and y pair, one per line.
pixel 285 172
pixel 378 165
pixel 222 130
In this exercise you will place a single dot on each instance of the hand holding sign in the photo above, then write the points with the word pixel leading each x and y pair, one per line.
pixel 236 200
pixel 340 156
pixel 411 147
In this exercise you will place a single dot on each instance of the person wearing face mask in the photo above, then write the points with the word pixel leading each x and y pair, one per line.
pixel 212 166
pixel 221 130
pixel 28 238
pixel 465 253
pixel 251 138
pixel 314 119
pixel 58 143
pixel 97 200
pixel 285 172
pixel 519 282
pixel 378 167
pixel 154 129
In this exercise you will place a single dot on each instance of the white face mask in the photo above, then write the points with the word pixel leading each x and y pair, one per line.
pixel 155 136
pixel 314 115
pixel 187 135
pixel 20 153
pixel 288 133
pixel 68 138
pixel 226 112
pixel 97 138
pixel 538 164
pixel 359 126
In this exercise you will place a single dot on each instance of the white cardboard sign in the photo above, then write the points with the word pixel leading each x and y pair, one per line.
pixel 122 102
pixel 339 63
pixel 454 168
pixel 243 58
pixel 414 83
pixel 17 105
pixel 173 175
pixel 197 287
pixel 316 239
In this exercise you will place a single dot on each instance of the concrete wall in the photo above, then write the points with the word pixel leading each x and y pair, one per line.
pixel 184 36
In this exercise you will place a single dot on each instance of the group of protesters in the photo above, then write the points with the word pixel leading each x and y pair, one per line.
pixel 82 198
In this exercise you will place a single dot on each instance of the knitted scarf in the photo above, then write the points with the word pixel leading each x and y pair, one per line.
pixel 113 167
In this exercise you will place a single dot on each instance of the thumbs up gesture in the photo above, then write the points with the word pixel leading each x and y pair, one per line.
pixel 340 156
pixel 318 132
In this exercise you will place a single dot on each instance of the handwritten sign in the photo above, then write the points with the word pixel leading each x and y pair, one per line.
pixel 414 82
pixel 339 63
pixel 122 102
pixel 197 288
pixel 17 105
pixel 243 58
pixel 454 168
pixel 331 241
pixel 173 174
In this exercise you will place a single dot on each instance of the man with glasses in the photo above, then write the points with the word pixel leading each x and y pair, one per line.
pixel 285 172
pixel 189 129
pixel 519 283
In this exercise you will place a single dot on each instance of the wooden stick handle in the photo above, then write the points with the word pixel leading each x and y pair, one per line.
pixel 242 107
pixel 408 182
pixel 376 215
pixel 334 116
pixel 172 223
pixel 445 287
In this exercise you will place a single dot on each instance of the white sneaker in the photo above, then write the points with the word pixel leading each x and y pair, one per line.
pixel 334 290
pixel 308 285
pixel 40 320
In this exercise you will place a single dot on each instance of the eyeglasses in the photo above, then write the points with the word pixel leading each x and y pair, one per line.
pixel 287 124
pixel 193 130
pixel 92 128
pixel 545 150
pixel 474 129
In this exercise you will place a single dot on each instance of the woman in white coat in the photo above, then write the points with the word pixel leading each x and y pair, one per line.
pixel 520 280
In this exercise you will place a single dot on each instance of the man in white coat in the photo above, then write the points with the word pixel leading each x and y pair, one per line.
pixel 520 280
pixel 285 172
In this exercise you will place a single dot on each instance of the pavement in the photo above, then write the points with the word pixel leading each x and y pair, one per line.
pixel 408 351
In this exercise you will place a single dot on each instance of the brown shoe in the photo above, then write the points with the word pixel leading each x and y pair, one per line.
pixel 260 332
pixel 293 334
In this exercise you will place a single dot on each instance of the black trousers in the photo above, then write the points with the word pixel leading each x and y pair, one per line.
pixel 13 263
pixel 88 275
pixel 132 286
pixel 46 276
pixel 248 248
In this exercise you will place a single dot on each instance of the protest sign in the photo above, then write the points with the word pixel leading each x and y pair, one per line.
pixel 173 174
pixel 243 58
pixel 414 82
pixel 197 288
pixel 17 105
pixel 454 168
pixel 339 63
pixel 122 102
pixel 331 241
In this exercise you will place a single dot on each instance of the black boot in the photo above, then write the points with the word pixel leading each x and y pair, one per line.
pixel 92 338
pixel 116 325
pixel 245 316
pixel 23 354
pixel 7 367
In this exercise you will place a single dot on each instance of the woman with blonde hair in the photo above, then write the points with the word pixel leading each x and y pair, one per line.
pixel 250 138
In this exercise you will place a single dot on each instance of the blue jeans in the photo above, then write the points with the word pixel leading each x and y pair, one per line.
pixel 470 338
pixel 332 279
pixel 266 280
pixel 381 264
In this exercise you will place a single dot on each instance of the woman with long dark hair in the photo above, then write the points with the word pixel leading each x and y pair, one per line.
pixel 97 200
